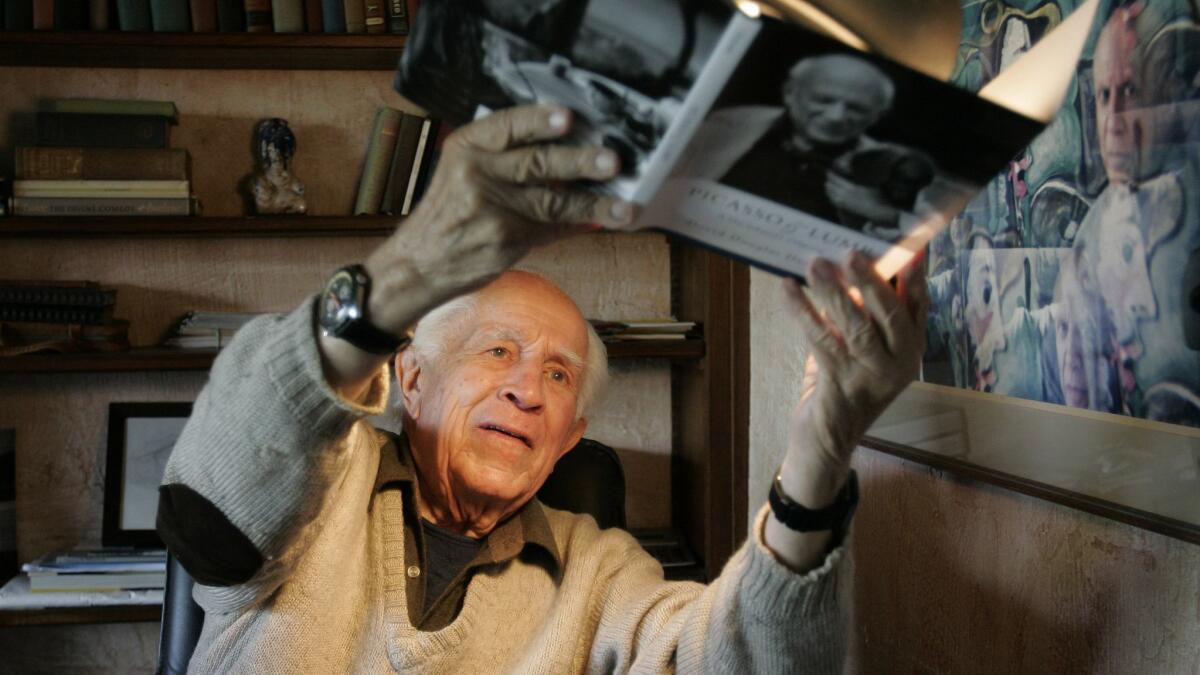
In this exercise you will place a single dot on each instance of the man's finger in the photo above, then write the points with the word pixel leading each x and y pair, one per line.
pixel 880 301
pixel 824 344
pixel 514 127
pixel 571 206
pixel 546 162
pixel 913 286
pixel 843 309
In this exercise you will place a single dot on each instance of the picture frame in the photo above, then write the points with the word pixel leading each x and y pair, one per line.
pixel 1136 471
pixel 140 438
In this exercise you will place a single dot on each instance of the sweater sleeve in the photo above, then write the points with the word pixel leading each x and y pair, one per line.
pixel 757 616
pixel 266 445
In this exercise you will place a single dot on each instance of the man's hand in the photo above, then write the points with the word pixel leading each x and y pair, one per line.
pixel 501 188
pixel 865 343
pixel 860 200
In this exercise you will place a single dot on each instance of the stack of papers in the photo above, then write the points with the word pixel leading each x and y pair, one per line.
pixel 97 571
pixel 206 330
pixel 655 329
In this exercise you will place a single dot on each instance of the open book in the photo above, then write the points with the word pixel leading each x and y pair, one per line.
pixel 747 134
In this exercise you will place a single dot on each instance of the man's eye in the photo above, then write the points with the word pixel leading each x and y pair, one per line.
pixel 498 352
pixel 558 376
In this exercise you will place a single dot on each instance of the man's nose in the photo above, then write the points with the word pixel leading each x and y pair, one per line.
pixel 523 387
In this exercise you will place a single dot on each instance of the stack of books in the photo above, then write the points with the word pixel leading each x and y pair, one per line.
pixel 211 16
pixel 400 154
pixel 103 157
pixel 655 329
pixel 61 316
pixel 97 571
pixel 206 330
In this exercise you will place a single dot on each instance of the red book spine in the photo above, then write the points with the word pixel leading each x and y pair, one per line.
pixel 258 16
pixel 43 14
pixel 204 15
pixel 312 17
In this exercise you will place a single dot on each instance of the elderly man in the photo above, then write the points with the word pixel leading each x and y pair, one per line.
pixel 817 157
pixel 324 545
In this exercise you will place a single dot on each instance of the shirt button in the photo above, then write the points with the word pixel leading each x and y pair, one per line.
pixel 414 571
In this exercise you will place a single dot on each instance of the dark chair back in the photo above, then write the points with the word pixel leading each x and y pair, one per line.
pixel 587 480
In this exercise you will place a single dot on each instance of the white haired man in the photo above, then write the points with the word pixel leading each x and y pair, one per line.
pixel 321 544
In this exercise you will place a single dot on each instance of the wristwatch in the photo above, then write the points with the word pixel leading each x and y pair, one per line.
pixel 342 313
pixel 835 517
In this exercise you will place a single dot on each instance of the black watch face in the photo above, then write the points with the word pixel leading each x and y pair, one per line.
pixel 339 302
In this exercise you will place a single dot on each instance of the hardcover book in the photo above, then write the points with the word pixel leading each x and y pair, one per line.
pixel 204 15
pixel 102 131
pixel 231 16
pixel 333 16
pixel 112 106
pixel 380 147
pixel 170 16
pixel 258 16
pixel 18 14
pixel 34 163
pixel 133 15
pixel 397 17
pixel 287 16
pixel 740 131
pixel 355 14
pixel 374 16
pixel 102 206
pixel 403 159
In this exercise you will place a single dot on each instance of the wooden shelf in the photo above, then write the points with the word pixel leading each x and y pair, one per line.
pixel 81 615
pixel 116 49
pixel 163 359
pixel 195 226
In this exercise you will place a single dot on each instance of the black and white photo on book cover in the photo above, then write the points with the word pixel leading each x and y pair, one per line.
pixel 758 138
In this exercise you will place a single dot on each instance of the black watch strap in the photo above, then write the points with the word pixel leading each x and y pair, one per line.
pixel 835 517
pixel 367 337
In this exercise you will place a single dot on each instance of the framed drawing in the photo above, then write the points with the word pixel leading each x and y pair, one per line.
pixel 140 438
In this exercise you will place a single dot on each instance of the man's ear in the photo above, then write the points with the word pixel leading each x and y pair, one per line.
pixel 573 436
pixel 408 378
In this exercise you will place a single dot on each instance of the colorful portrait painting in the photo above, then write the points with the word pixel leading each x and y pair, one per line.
pixel 1074 278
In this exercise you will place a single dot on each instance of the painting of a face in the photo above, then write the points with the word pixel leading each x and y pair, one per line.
pixel 837 100
pixel 1118 127
pixel 1121 272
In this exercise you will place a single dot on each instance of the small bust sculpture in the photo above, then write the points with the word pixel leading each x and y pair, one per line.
pixel 273 186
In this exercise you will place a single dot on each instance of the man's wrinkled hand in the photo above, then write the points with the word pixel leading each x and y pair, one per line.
pixel 501 187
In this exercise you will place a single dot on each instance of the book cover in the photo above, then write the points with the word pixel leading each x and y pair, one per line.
pixel 90 206
pixel 170 16
pixel 333 16
pixel 204 15
pixel 403 158
pixel 312 17
pixel 102 188
pixel 374 16
pixel 99 16
pixel 34 163
pixel 18 14
pixel 133 15
pixel 420 164
pixel 112 106
pixel 355 13
pixel 380 146
pixel 70 14
pixel 258 16
pixel 102 131
pixel 397 17
pixel 287 16
pixel 53 292
pixel 706 117
pixel 231 16
pixel 49 582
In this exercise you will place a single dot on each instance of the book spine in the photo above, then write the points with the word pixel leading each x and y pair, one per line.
pixel 374 16
pixel 397 17
pixel 52 314
pixel 112 106
pixel 312 17
pixel 100 164
pixel 410 192
pixel 169 16
pixel 231 16
pixel 333 16
pixel 79 189
pixel 258 16
pixel 355 11
pixel 18 14
pixel 287 16
pixel 61 297
pixel 102 131
pixel 133 15
pixel 98 17
pixel 43 14
pixel 70 14
pixel 402 161
pixel 204 15
pixel 380 146
pixel 86 206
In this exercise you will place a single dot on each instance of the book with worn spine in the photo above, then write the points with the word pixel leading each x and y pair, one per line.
pixel 258 16
pixel 375 16
pixel 102 131
pixel 380 146
pixel 34 163
pixel 133 15
pixel 101 206
pixel 170 16
pixel 287 16
pixel 102 188
pixel 355 13
pixel 403 158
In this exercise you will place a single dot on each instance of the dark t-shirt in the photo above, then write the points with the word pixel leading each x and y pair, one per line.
pixel 446 554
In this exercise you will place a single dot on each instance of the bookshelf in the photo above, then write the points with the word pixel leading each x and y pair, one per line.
pixel 224 51
pixel 193 226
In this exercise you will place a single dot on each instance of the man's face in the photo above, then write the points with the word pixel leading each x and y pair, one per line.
pixel 498 408
pixel 1121 272
pixel 835 105
pixel 1118 125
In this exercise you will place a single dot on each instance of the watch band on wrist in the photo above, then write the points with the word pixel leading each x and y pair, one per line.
pixel 834 517
pixel 342 313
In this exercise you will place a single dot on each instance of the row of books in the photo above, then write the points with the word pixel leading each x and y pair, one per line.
pixel 103 157
pixel 97 570
pixel 59 316
pixel 211 16
pixel 399 159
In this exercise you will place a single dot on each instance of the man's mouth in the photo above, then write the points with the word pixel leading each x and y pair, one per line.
pixel 508 432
